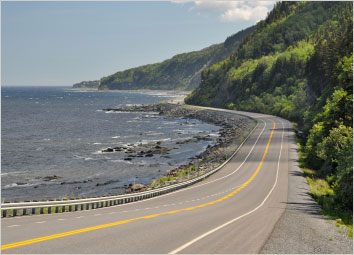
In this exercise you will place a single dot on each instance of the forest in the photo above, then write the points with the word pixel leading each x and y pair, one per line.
pixel 298 64
pixel 181 72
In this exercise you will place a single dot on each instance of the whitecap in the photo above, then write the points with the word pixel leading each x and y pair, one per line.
pixel 122 161
pixel 154 133
pixel 10 185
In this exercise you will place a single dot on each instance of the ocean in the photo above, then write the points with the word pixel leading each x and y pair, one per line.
pixel 52 140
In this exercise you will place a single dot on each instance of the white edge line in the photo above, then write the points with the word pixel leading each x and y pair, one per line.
pixel 239 217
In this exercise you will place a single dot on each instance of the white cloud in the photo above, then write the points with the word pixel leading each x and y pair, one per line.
pixel 245 13
pixel 232 11
pixel 216 5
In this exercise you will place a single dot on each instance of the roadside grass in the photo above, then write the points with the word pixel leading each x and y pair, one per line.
pixel 181 173
pixel 321 190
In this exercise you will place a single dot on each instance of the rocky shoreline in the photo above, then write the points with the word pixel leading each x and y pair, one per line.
pixel 234 129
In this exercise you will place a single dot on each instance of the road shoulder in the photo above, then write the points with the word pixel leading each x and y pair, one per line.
pixel 301 229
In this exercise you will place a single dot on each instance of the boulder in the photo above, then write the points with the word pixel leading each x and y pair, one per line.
pixel 137 187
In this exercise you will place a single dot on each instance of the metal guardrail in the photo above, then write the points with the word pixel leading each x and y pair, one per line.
pixel 41 207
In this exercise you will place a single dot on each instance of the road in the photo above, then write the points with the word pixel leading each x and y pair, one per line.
pixel 232 211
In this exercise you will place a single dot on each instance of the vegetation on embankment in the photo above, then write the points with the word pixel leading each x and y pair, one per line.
pixel 321 188
pixel 298 65
pixel 181 72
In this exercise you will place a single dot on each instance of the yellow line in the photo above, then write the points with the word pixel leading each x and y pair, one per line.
pixel 73 232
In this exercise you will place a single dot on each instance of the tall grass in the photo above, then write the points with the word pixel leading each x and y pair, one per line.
pixel 321 190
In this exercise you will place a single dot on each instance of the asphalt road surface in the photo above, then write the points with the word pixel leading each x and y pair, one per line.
pixel 232 211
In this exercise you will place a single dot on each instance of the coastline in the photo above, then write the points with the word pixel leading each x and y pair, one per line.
pixel 147 91
pixel 234 129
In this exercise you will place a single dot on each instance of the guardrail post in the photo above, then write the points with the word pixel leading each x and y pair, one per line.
pixel 63 208
pixel 76 208
pixel 4 213
pixel 24 211
pixel 33 210
pixel 41 210
pixel 57 209
pixel 49 210
pixel 14 212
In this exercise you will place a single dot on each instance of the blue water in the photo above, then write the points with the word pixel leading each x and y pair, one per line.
pixel 49 131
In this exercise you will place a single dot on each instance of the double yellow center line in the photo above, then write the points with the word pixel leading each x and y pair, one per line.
pixel 44 238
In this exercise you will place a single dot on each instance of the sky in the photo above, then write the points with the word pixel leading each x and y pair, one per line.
pixel 61 43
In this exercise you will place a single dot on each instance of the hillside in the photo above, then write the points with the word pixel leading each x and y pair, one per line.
pixel 298 65
pixel 87 85
pixel 181 72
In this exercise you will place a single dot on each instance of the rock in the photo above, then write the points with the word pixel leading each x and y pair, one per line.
pixel 149 155
pixel 72 182
pixel 154 165
pixel 137 187
pixel 108 150
pixel 106 183
pixel 127 158
pixel 50 178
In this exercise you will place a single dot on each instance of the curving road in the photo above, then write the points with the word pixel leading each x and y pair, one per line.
pixel 232 211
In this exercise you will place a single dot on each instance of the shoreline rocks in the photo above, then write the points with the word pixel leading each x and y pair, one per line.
pixel 233 129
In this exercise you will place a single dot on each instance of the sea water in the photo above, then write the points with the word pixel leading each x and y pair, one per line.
pixel 52 140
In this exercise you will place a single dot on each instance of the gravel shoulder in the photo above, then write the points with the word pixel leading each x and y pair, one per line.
pixel 301 229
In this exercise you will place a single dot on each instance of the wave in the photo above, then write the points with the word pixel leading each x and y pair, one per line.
pixel 19 184
pixel 122 161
